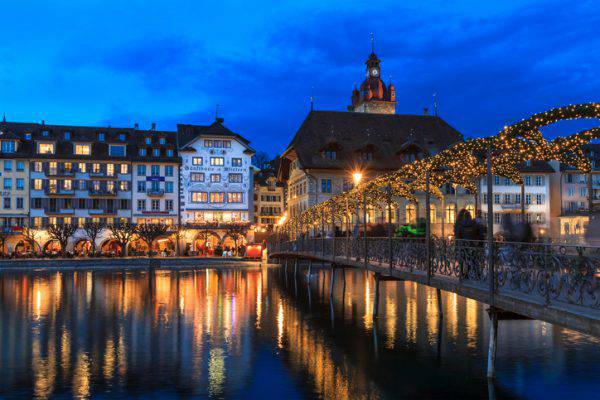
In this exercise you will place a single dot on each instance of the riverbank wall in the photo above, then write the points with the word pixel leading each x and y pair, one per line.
pixel 125 263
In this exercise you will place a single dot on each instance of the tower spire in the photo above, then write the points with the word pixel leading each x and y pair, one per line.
pixel 435 105
pixel 372 42
pixel 216 112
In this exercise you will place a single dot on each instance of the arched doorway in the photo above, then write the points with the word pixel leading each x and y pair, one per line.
pixel 52 247
pixel 206 243
pixel 110 247
pixel 82 247
pixel 24 248
pixel 229 244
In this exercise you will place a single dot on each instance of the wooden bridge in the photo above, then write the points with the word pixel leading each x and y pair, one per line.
pixel 558 284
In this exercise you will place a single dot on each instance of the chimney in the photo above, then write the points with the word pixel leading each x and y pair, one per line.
pixel 154 126
pixel 425 111
pixel 136 126
pixel 43 122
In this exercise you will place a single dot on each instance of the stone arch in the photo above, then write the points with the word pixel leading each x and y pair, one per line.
pixel 51 246
pixel 206 241
pixel 82 246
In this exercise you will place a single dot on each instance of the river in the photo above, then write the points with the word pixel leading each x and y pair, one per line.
pixel 252 332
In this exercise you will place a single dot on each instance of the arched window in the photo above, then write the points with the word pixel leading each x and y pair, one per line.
pixel 432 213
pixel 450 213
pixel 411 215
pixel 471 209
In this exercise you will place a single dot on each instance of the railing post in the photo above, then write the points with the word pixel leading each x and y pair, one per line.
pixel 365 228
pixel 332 234
pixel 323 233
pixel 428 226
pixel 490 225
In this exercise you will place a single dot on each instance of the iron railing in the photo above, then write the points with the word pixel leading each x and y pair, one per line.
pixel 547 273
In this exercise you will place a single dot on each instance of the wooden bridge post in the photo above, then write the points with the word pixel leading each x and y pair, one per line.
pixel 493 345
pixel 332 281
pixel 376 297
pixel 309 269
pixel 439 303
pixel 295 267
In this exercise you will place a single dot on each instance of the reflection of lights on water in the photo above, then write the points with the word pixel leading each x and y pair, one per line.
pixel 65 351
pixel 411 311
pixel 368 318
pixel 280 321
pixel 109 360
pixel 181 304
pixel 38 304
pixel 390 321
pixel 88 287
pixel 216 372
pixel 471 322
pixel 81 376
pixel 258 302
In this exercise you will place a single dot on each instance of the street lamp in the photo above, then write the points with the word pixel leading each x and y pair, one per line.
pixel 357 177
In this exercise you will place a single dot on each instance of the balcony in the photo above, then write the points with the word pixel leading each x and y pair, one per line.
pixel 103 174
pixel 59 172
pixel 59 210
pixel 103 192
pixel 103 211
pixel 57 191
pixel 155 192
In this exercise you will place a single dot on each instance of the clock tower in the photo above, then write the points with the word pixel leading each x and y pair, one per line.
pixel 373 95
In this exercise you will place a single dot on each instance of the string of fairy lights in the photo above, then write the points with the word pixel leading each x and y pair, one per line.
pixel 462 165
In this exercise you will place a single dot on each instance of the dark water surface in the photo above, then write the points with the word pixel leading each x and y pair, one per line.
pixel 251 333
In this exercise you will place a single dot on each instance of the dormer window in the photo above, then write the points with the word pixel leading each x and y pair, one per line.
pixel 45 148
pixel 83 149
pixel 67 135
pixel 148 141
pixel 101 137
pixel 9 146
pixel 28 136
pixel 162 140
pixel 122 137
pixel 45 133
pixel 330 154
pixel 366 156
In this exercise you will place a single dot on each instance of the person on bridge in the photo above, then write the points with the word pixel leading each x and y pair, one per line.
pixel 468 235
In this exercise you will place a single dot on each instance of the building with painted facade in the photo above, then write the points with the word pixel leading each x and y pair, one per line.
pixel 216 185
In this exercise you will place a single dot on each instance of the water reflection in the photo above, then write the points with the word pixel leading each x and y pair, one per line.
pixel 241 333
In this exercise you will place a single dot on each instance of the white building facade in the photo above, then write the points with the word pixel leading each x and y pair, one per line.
pixel 216 183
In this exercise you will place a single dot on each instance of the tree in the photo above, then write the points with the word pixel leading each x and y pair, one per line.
pixel 261 159
pixel 32 237
pixel 123 234
pixel 179 231
pixel 150 232
pixel 236 232
pixel 62 233
pixel 3 239
pixel 92 231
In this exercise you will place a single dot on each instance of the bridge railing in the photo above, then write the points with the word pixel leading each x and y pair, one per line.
pixel 546 273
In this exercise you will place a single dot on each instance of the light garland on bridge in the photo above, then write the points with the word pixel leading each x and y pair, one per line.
pixel 462 164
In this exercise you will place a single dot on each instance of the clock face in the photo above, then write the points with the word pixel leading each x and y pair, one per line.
pixel 374 72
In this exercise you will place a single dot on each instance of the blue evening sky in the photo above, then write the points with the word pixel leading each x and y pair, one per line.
pixel 119 62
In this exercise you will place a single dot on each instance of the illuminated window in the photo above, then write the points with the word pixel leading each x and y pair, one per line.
pixel 215 177
pixel 207 143
pixel 37 184
pixel 45 148
pixel 197 161
pixel 38 166
pixel 68 184
pixel 432 213
pixel 235 197
pixel 83 149
pixel 199 197
pixel 96 168
pixel 236 162
pixel 83 167
pixel 110 169
pixel 197 177
pixel 471 210
pixel 217 161
pixel 124 168
pixel 450 213
pixel 217 197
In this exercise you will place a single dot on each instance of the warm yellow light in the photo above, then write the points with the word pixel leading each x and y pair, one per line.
pixel 282 219
pixel 357 177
